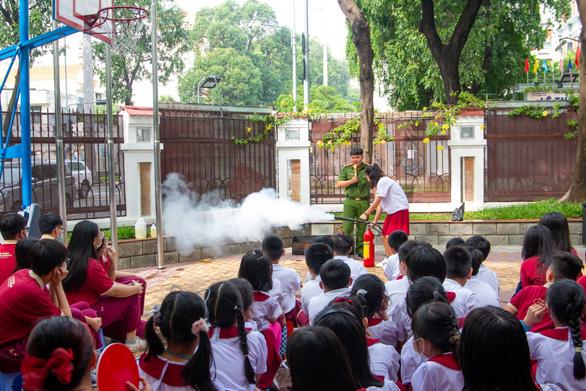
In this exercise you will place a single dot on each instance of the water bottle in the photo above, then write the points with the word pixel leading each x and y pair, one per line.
pixel 140 231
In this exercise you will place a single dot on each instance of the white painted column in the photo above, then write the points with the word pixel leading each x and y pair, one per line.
pixel 293 149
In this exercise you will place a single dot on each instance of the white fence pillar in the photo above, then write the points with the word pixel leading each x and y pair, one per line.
pixel 467 150
pixel 293 148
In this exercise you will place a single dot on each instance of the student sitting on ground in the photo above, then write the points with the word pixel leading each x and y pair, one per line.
pixel 335 281
pixel 484 293
pixel 560 231
pixel 315 256
pixel 51 226
pixel 22 253
pixel 343 245
pixel 537 250
pixel 247 295
pixel 455 242
pixel 392 269
pixel 484 273
pixel 396 289
pixel 13 229
pixel 458 272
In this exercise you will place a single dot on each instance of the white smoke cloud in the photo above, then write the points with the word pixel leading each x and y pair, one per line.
pixel 208 221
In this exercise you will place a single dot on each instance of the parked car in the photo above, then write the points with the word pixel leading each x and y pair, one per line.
pixel 45 186
pixel 82 176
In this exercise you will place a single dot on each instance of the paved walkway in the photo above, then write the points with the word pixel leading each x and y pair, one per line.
pixel 197 276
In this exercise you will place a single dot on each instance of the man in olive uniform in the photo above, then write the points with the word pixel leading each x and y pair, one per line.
pixel 357 190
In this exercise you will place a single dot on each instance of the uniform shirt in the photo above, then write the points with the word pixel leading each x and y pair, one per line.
pixel 24 301
pixel 410 361
pixel 488 276
pixel 383 330
pixel 310 289
pixel 441 373
pixel 392 270
pixel 7 259
pixel 387 386
pixel 229 360
pixel 532 272
pixel 484 293
pixel 397 290
pixel 393 196
pixel 356 267
pixel 265 309
pixel 554 352
pixel 465 300
pixel 525 298
pixel 318 303
pixel 290 284
pixel 96 283
pixel 401 320
pixel 355 190
pixel 383 359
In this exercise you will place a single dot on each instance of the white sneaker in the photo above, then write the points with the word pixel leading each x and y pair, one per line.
pixel 136 346
pixel 382 264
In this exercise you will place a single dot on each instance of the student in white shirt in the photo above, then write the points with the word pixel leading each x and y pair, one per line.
pixel 315 256
pixel 392 267
pixel 458 272
pixel 484 293
pixel 343 245
pixel 335 281
pixel 484 274
pixel 397 289
pixel 238 355
pixel 436 335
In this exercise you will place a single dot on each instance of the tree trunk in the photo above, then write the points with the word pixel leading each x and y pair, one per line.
pixel 578 188
pixel 361 39
pixel 448 66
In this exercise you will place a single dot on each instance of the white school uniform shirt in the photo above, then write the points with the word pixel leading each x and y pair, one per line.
pixel 290 284
pixel 356 268
pixel 402 321
pixel 392 270
pixel 435 376
pixel 384 360
pixel 393 196
pixel 484 293
pixel 410 361
pixel 554 353
pixel 228 368
pixel 318 303
pixel 397 290
pixel 383 330
pixel 164 375
pixel 310 289
pixel 265 309
pixel 465 300
pixel 387 386
pixel 488 276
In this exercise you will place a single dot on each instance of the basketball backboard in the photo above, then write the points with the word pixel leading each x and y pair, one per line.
pixel 73 13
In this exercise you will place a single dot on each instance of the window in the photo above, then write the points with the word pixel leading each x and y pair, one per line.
pixel 36 114
pixel 143 135
pixel 466 132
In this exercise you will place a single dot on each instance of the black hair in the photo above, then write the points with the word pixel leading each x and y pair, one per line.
pixel 560 230
pixel 454 242
pixel 316 255
pixel 48 222
pixel 425 290
pixel 425 261
pixel 565 300
pixel 343 244
pixel 326 239
pixel 397 238
pixel 246 291
pixel 350 329
pixel 375 173
pixel 565 265
pixel 480 243
pixel 494 338
pixel 318 361
pixel 354 304
pixel 67 333
pixel 174 320
pixel 371 290
pixel 356 151
pixel 477 257
pixel 272 246
pixel 406 247
pixel 11 224
pixel 256 269
pixel 335 274
pixel 458 262
pixel 538 241
pixel 225 308
pixel 80 249
pixel 46 255
pixel 22 253
pixel 437 323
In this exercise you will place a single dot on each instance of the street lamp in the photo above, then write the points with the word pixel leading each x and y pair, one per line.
pixel 207 82
pixel 563 42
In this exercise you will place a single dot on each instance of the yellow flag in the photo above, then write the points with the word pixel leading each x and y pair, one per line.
pixel 535 66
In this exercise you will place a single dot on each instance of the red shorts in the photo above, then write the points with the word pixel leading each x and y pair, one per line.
pixel 396 221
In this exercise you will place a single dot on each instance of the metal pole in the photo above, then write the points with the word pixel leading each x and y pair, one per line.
pixel 325 51
pixel 157 138
pixel 25 106
pixel 110 149
pixel 306 59
pixel 59 146
pixel 294 59
pixel 199 91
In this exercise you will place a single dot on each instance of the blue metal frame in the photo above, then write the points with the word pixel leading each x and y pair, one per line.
pixel 23 49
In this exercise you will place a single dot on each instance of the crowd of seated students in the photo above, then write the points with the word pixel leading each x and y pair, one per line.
pixel 436 324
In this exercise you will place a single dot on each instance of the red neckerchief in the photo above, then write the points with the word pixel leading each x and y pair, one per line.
pixel 374 321
pixel 225 332
pixel 447 360
pixel 260 296
pixel 400 277
pixel 451 296
pixel 154 366
pixel 371 341
pixel 561 333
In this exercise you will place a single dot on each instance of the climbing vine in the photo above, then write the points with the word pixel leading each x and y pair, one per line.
pixel 343 134
pixel 270 123
pixel 537 112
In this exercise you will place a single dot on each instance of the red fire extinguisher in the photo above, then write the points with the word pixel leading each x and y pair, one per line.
pixel 368 251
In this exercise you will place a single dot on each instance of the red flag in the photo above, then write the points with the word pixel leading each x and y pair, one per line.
pixel 577 60
pixel 527 65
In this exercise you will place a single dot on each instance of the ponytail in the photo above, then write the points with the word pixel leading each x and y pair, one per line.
pixel 244 346
pixel 575 329
pixel 154 343
pixel 196 372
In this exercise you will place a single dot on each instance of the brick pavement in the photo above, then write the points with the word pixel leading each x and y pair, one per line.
pixel 197 276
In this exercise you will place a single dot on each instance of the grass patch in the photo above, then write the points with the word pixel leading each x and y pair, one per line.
pixel 123 233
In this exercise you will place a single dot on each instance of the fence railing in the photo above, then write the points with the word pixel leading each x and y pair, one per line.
pixel 86 166
pixel 422 169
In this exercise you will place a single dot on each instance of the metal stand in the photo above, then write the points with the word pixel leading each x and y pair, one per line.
pixel 110 149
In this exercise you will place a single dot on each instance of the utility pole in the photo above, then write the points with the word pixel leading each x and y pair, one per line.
pixel 306 59
pixel 294 59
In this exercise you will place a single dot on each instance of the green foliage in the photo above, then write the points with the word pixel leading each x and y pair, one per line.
pixel 537 112
pixel 124 233
pixel 532 210
pixel 443 116
pixel 343 134
pixel 39 22
pixel 166 99
pixel 573 130
pixel 133 66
